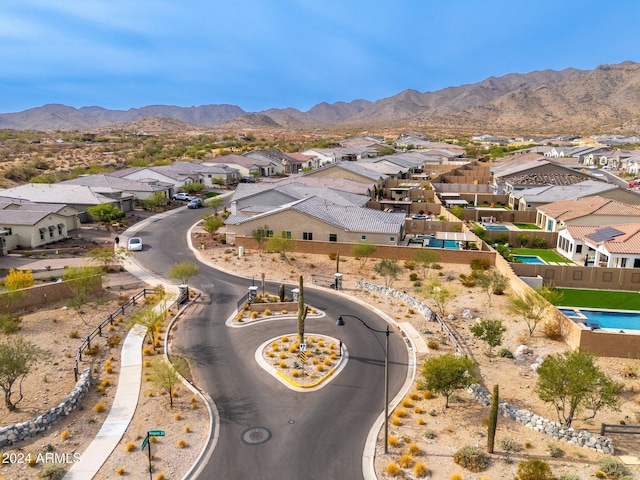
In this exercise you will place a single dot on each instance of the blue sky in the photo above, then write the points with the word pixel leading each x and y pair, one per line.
pixel 121 54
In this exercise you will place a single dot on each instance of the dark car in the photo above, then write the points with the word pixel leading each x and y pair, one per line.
pixel 195 203
pixel 248 179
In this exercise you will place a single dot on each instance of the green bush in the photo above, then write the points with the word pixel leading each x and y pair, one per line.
pixel 9 323
pixel 539 242
pixel 534 469
pixel 472 458
pixel 413 276
pixel 508 444
pixel 612 467
pixel 569 476
pixel 505 353
pixel 52 471
pixel 481 264
pixel 409 264
pixel 554 450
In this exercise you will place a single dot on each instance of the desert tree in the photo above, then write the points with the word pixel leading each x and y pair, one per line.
pixel 193 188
pixel 440 295
pixel 575 386
pixel 15 282
pixel 105 213
pixel 108 256
pixel 490 331
pixel 183 271
pixel 533 306
pixel 447 373
pixel 216 203
pixel 83 283
pixel 211 224
pixel 492 282
pixel 149 319
pixel 362 252
pixel 260 235
pixel 155 201
pixel 282 243
pixel 389 269
pixel 425 257
pixel 165 377
pixel 17 356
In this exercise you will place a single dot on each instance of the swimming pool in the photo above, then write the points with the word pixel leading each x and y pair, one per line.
pixel 529 259
pixel 612 319
pixel 495 227
pixel 435 243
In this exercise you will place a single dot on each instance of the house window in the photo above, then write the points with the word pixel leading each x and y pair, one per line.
pixel 578 248
pixel 287 234
pixel 307 235
pixel 392 239
pixel 363 238
pixel 42 230
pixel 60 228
pixel 51 230
pixel 333 237
pixel 636 263
pixel 623 262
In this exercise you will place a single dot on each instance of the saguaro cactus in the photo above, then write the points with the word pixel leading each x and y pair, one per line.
pixel 493 419
pixel 302 312
pixel 281 292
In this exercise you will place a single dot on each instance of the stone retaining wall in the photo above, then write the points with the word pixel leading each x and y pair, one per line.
pixel 16 433
pixel 581 438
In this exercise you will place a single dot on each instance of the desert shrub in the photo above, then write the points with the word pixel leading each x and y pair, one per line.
pixel 393 441
pixel 93 350
pixel 254 315
pixel 611 467
pixel 400 412
pixel 181 444
pixel 267 312
pixel 554 450
pixel 120 471
pixel 429 434
pixel 333 256
pixel 420 470
pixel 505 353
pixel 160 476
pixel 413 276
pixel 414 449
pixel 421 421
pixel 480 264
pixel 393 469
pixel 508 444
pixel 99 407
pixel 146 351
pixel 114 340
pixel 551 329
pixel 455 476
pixel 414 396
pixel 187 429
pixel 407 403
pixel 130 447
pixel 396 421
pixel 433 345
pixel 472 458
pixel 569 476
pixel 468 281
pixel 74 334
pixel 534 469
pixel 64 435
pixel 410 265
pixel 406 461
pixel 52 471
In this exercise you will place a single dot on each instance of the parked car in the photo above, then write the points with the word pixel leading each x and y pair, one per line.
pixel 185 197
pixel 195 203
pixel 248 179
pixel 134 244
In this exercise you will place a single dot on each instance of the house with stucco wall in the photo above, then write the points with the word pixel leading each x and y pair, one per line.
pixel 612 246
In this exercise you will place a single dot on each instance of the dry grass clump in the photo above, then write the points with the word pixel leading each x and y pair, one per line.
pixel 130 447
pixel 120 471
pixel 420 470
pixel 181 443
pixel 64 435
pixel 406 461
pixel 393 469
pixel 393 441
pixel 99 407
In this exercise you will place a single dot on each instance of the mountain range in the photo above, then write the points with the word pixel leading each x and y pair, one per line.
pixel 603 100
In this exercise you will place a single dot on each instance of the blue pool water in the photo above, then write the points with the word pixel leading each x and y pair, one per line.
pixel 433 242
pixel 530 259
pixel 495 227
pixel 604 318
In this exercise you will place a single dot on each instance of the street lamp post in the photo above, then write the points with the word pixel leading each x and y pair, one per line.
pixel 340 323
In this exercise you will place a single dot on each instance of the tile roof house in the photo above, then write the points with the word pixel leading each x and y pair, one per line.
pixel 181 173
pixel 245 165
pixel 531 198
pixel 613 246
pixel 27 224
pixel 316 219
pixel 596 211
pixel 109 185
pixel 79 197
pixel 354 171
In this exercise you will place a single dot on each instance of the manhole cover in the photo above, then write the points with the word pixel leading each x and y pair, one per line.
pixel 256 435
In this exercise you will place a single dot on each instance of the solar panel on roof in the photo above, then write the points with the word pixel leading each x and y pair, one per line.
pixel 604 234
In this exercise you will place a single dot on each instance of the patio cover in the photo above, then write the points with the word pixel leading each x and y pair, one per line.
pixel 457 236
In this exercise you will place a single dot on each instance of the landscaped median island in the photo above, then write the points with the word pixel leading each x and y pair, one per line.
pixel 304 368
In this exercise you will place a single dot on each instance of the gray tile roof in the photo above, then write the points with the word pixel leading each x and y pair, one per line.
pixel 105 181
pixel 56 193
pixel 554 193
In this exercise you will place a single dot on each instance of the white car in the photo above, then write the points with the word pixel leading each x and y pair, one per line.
pixel 134 244
pixel 183 196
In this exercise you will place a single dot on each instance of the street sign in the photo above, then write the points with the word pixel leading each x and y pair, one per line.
pixel 144 443
pixel 303 347
pixel 156 433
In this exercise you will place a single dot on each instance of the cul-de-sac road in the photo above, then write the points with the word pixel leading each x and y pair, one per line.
pixel 266 430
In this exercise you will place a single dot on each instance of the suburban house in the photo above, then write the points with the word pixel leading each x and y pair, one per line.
pixel 613 246
pixel 590 211
pixel 522 173
pixel 29 225
pixel 532 198
pixel 108 185
pixel 285 163
pixel 245 165
pixel 253 198
pixel 316 219
pixel 181 173
pixel 411 141
pixel 79 197
pixel 355 171
pixel 339 154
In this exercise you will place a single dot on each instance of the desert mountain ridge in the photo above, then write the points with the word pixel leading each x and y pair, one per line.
pixel 603 100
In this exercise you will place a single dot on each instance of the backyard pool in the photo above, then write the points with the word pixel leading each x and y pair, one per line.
pixel 435 243
pixel 530 259
pixel 603 318
pixel 495 227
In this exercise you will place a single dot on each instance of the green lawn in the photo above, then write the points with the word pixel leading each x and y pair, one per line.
pixel 546 255
pixel 574 297
pixel 527 226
